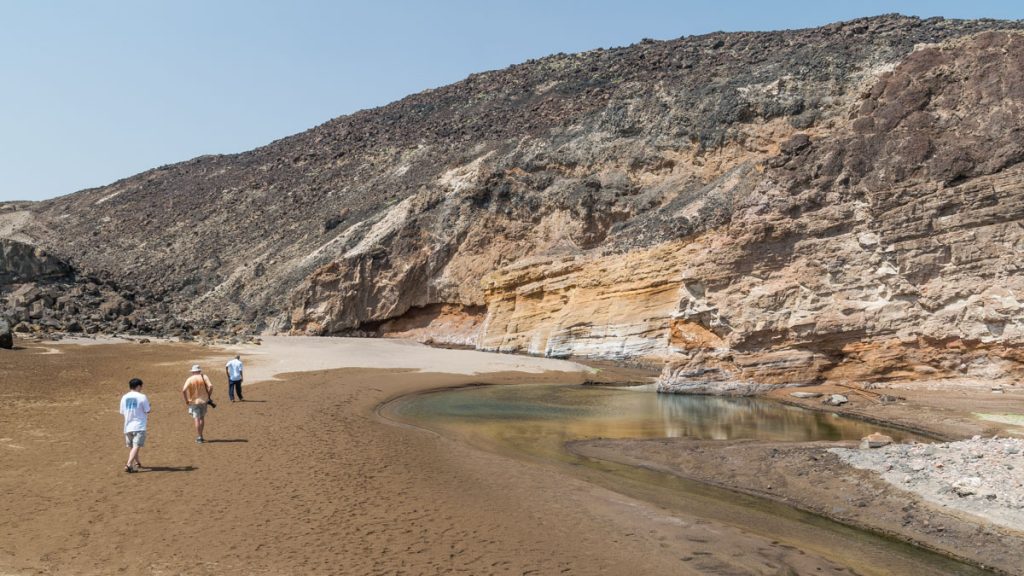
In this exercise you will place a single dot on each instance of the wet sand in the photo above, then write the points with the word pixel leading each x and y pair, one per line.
pixel 306 478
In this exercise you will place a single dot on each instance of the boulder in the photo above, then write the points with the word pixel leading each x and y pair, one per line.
pixel 836 400
pixel 51 324
pixel 37 310
pixel 25 295
pixel 875 440
pixel 6 334
pixel 966 486
pixel 21 262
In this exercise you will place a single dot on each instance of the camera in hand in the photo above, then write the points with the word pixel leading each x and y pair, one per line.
pixel 210 403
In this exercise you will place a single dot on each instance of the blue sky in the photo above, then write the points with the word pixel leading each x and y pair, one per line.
pixel 96 91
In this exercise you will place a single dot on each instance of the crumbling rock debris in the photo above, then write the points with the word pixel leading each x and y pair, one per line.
pixel 981 476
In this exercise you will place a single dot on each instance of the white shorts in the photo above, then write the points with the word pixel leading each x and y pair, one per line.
pixel 197 410
pixel 135 439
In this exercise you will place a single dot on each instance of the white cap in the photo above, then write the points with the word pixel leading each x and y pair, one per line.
pixel 195 368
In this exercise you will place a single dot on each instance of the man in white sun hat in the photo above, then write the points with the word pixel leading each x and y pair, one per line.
pixel 198 392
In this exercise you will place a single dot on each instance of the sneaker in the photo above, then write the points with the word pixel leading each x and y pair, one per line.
pixel 128 469
pixel 199 440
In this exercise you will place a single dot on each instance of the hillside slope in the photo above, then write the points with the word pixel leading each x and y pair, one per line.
pixel 745 209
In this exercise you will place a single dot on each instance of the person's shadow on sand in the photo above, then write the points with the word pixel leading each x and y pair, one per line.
pixel 167 469
pixel 216 440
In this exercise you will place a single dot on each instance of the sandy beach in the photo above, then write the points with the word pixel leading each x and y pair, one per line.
pixel 306 478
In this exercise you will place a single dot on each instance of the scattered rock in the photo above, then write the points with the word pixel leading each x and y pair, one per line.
pixel 978 476
pixel 875 440
pixel 966 486
pixel 836 400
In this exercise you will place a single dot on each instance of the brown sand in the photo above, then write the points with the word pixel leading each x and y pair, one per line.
pixel 305 478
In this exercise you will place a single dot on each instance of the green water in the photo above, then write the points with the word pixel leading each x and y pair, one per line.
pixel 535 422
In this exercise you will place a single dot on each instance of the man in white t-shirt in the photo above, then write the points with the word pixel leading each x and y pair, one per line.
pixel 135 408
pixel 234 371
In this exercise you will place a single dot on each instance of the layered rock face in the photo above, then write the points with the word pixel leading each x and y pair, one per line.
pixel 747 210
pixel 888 248
pixel 905 252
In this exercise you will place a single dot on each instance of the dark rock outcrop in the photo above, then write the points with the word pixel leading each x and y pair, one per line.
pixel 42 293
pixel 20 262
pixel 6 334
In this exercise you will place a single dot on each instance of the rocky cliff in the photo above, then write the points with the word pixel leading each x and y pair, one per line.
pixel 747 210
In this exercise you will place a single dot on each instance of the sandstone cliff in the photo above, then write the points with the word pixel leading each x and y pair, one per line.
pixel 748 210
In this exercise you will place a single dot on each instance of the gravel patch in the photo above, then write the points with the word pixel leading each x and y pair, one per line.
pixel 984 477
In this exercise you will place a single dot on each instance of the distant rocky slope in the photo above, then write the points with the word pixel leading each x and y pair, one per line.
pixel 745 209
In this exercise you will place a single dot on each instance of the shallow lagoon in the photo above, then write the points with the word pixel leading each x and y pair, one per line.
pixel 535 421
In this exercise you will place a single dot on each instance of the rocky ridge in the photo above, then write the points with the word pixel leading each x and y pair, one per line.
pixel 747 210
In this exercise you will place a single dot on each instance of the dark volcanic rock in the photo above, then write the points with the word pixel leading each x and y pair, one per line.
pixel 21 262
pixel 6 334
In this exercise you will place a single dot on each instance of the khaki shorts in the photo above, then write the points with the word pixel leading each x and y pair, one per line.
pixel 197 410
pixel 135 439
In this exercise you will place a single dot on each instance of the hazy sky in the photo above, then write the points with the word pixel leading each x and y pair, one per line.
pixel 94 91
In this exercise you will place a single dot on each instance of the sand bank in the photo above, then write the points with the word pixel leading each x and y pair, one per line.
pixel 285 354
pixel 305 478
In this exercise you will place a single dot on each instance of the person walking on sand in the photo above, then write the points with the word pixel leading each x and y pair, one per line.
pixel 135 409
pixel 234 371
pixel 198 393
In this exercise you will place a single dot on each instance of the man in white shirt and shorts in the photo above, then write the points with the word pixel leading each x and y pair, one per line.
pixel 135 408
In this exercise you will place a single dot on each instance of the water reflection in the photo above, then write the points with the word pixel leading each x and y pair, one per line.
pixel 543 417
